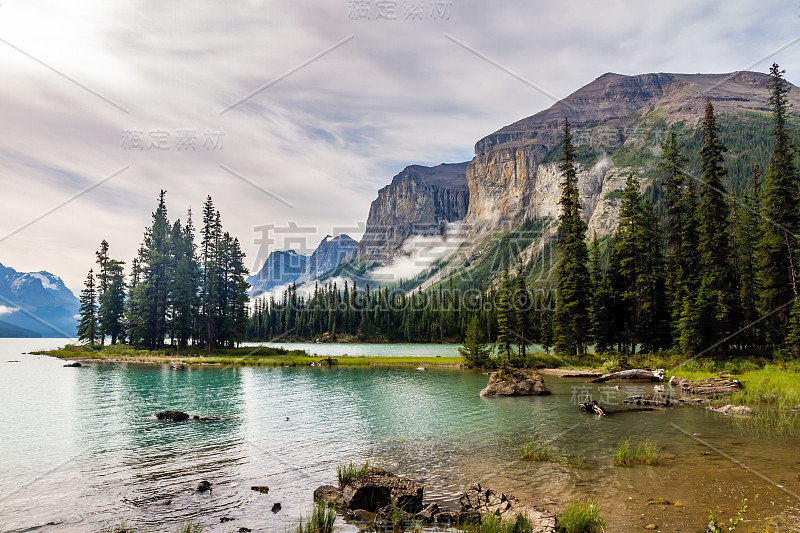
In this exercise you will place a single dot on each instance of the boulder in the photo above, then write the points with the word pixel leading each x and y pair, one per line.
pixel 428 513
pixel 515 383
pixel 330 495
pixel 172 415
pixel 378 488
pixel 204 486
pixel 276 507
pixel 477 501
pixel 390 515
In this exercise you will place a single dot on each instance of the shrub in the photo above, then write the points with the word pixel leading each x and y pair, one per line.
pixel 580 516
pixel 346 473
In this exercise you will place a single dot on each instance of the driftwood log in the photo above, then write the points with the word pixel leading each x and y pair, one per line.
pixel 592 406
pixel 636 373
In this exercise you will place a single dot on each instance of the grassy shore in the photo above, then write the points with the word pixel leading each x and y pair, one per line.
pixel 249 356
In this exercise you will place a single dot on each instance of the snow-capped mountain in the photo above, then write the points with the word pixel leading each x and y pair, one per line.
pixel 38 302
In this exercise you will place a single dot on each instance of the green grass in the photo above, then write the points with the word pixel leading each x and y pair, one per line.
pixel 350 471
pixel 642 453
pixel 537 450
pixel 248 356
pixel 580 516
pixel 490 523
pixel 321 520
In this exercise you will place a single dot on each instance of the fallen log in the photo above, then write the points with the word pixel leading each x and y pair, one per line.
pixel 592 406
pixel 635 373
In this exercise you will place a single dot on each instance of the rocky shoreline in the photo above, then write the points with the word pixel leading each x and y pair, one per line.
pixel 384 500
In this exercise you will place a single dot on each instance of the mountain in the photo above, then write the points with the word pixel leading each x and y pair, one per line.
pixel 419 201
pixel 38 302
pixel 11 331
pixel 280 268
pixel 513 183
pixel 330 253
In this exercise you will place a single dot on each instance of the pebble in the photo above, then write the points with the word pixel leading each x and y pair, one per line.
pixel 650 526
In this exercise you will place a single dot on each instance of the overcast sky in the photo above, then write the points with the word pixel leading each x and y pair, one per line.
pixel 300 111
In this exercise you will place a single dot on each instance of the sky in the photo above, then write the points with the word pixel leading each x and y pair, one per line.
pixel 291 115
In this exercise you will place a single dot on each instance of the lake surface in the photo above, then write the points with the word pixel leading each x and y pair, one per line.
pixel 80 448
pixel 334 349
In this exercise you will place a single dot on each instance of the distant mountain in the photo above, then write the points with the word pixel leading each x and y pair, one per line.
pixel 38 302
pixel 11 331
pixel 330 253
pixel 280 268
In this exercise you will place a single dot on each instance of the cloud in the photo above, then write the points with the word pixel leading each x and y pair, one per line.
pixel 419 253
pixel 326 137
pixel 6 310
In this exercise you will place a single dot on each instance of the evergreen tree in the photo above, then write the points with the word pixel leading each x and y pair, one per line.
pixel 746 237
pixel 505 315
pixel 475 351
pixel 777 253
pixel 571 317
pixel 600 302
pixel 87 327
pixel 715 303
pixel 523 302
pixel 102 286
pixel 186 282
pixel 112 302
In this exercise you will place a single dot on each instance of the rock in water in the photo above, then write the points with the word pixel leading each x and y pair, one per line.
pixel 478 500
pixel 733 410
pixel 263 489
pixel 73 365
pixel 515 383
pixel 276 507
pixel 330 495
pixel 378 488
pixel 204 486
pixel 172 415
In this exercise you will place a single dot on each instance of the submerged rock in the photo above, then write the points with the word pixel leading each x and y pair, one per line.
pixel 172 415
pixel 515 383
pixel 732 410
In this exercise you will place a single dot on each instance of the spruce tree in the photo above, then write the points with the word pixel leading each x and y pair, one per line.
pixel 600 302
pixel 87 326
pixel 716 301
pixel 522 310
pixel 475 351
pixel 777 251
pixel 572 294
pixel 505 316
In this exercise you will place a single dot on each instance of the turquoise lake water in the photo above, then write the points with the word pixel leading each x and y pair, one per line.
pixel 80 448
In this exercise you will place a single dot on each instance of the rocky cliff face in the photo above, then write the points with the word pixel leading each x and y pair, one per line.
pixel 419 201
pixel 506 179
pixel 330 253
pixel 280 268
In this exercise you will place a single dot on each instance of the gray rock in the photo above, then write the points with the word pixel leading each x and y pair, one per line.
pixel 428 512
pixel 330 495
pixel 732 410
pixel 378 488
pixel 477 501
pixel 520 383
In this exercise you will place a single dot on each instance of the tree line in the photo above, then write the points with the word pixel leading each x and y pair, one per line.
pixel 175 291
pixel 714 273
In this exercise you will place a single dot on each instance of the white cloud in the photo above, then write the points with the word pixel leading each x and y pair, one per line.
pixel 6 310
pixel 419 253
pixel 324 138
